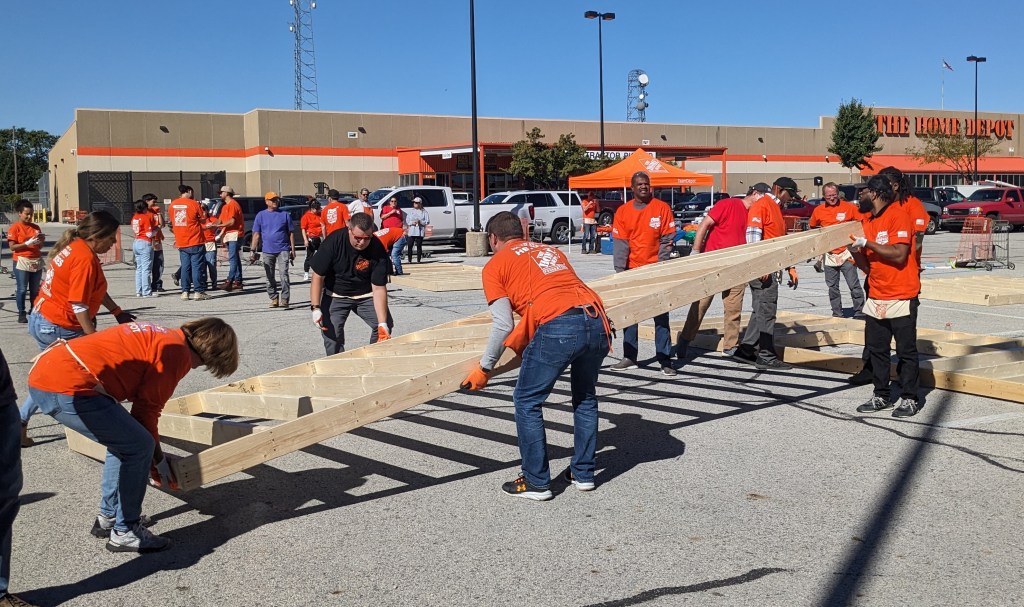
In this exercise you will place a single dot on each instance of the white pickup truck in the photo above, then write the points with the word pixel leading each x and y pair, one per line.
pixel 449 219
pixel 556 214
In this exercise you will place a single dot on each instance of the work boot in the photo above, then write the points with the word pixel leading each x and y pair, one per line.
pixel 25 440
pixel 238 285
pixel 137 539
pixel 227 286
pixel 284 303
pixel 22 318
pixel 274 303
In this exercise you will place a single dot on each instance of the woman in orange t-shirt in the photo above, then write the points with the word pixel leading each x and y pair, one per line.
pixel 26 242
pixel 73 288
pixel 81 385
pixel 144 228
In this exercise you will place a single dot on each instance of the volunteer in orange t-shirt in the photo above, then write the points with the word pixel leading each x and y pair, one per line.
pixel 562 324
pixel 26 242
pixel 187 219
pixel 831 212
pixel 312 233
pixel 211 228
pixel 911 205
pixel 335 215
pixel 143 228
pixel 390 238
pixel 764 221
pixel 157 282
pixel 231 235
pixel 642 230
pixel 589 208
pixel 81 384
pixel 73 288
pixel 886 253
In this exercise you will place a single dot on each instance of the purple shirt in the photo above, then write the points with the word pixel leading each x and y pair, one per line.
pixel 274 228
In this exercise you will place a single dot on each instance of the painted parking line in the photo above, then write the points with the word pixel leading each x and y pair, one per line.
pixel 978 421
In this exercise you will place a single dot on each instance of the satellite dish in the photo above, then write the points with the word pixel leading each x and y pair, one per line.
pixel 643 79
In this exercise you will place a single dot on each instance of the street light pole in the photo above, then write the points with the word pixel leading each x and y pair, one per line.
pixel 600 62
pixel 472 85
pixel 976 60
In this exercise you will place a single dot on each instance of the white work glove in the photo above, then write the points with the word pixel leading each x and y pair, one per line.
pixel 318 319
pixel 858 243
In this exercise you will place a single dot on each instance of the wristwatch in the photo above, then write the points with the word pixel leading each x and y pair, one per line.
pixel 312 307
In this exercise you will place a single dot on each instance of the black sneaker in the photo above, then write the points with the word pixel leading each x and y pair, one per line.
pixel 521 488
pixel 744 357
pixel 907 407
pixel 772 365
pixel 668 369
pixel 877 403
pixel 625 363
pixel 581 485
pixel 22 318
pixel 102 525
pixel 862 377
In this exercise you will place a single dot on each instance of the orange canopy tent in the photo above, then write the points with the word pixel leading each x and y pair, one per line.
pixel 663 175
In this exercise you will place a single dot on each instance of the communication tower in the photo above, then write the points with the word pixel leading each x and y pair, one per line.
pixel 636 96
pixel 306 96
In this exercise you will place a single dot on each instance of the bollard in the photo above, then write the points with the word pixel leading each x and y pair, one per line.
pixel 476 244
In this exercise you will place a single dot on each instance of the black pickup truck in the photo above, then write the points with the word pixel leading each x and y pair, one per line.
pixel 693 210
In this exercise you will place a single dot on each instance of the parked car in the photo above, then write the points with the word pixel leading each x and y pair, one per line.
pixel 1001 204
pixel 556 215
pixel 931 204
pixel 694 210
pixel 797 208
pixel 295 210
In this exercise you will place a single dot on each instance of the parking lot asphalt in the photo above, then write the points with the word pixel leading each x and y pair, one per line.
pixel 721 486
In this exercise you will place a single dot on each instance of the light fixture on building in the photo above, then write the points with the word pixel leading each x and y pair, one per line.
pixel 664 138
pixel 164 129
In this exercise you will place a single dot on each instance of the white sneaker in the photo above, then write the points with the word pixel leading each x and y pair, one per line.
pixel 184 296
pixel 137 539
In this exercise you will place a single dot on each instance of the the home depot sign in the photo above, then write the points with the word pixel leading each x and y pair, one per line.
pixel 899 126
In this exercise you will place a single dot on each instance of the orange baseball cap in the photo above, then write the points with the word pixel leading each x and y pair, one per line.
pixel 270 196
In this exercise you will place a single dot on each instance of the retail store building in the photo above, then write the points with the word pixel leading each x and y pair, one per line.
pixel 115 156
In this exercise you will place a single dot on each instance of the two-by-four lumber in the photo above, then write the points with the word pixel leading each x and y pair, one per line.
pixel 720 270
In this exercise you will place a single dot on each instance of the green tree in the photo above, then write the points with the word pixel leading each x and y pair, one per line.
pixel 854 135
pixel 32 149
pixel 549 167
pixel 954 151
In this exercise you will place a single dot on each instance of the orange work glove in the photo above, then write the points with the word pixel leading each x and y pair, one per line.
pixel 476 380
pixel 382 332
pixel 794 280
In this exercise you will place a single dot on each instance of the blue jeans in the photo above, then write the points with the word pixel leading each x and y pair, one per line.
pixel 234 261
pixel 396 254
pixel 662 340
pixel 589 237
pixel 26 282
pixel 10 485
pixel 210 267
pixel 570 339
pixel 45 333
pixel 192 260
pixel 143 250
pixel 158 270
pixel 129 449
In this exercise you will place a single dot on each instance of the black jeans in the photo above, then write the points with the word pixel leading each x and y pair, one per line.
pixel 314 244
pixel 415 241
pixel 877 336
pixel 158 270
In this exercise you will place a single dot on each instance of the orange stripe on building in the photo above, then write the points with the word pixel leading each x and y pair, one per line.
pixel 246 153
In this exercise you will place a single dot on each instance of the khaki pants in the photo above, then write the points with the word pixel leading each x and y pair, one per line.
pixel 732 300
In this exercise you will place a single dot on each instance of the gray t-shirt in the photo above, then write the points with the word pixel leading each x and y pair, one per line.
pixel 416 221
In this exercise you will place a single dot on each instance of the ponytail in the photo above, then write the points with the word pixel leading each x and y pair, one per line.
pixel 65 239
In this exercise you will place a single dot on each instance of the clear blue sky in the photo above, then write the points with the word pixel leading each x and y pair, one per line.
pixel 740 62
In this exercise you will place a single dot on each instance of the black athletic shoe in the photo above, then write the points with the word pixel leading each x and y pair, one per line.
pixel 862 377
pixel 744 357
pixel 520 488
pixel 772 365
pixel 668 370
pixel 877 403
pixel 906 408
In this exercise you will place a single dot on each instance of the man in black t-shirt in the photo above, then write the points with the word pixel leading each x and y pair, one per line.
pixel 10 475
pixel 350 273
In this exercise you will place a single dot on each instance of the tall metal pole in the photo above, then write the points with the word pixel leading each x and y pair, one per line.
pixel 472 84
pixel 14 141
pixel 600 76
pixel 976 60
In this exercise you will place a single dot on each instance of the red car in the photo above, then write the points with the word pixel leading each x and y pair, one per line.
pixel 797 208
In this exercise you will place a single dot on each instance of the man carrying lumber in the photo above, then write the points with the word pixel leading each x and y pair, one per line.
pixel 886 254
pixel 724 226
pixel 764 221
pixel 642 232
pixel 563 324
pixel 350 273
pixel 81 384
